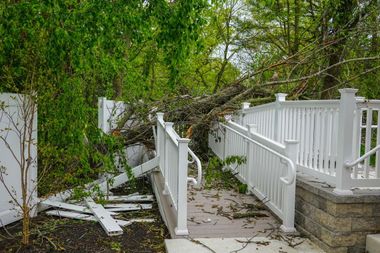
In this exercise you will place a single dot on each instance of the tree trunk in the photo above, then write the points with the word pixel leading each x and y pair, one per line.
pixel 330 81
pixel 25 224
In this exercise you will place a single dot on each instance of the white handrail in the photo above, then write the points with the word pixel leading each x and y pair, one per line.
pixel 362 158
pixel 197 181
pixel 292 171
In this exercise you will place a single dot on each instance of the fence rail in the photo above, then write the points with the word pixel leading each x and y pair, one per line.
pixel 269 170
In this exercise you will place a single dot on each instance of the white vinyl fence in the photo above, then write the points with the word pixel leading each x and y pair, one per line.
pixel 13 112
pixel 109 112
pixel 269 170
pixel 173 163
pixel 173 153
pixel 339 139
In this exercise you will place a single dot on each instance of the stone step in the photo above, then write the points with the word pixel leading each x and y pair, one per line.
pixel 241 245
pixel 373 243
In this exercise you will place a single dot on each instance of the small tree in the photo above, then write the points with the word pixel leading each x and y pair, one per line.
pixel 19 126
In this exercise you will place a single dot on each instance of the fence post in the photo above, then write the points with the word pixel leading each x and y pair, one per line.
pixel 251 129
pixel 280 97
pixel 291 151
pixel 244 106
pixel 347 108
pixel 102 121
pixel 181 228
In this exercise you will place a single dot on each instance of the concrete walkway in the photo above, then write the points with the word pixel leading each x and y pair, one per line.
pixel 213 219
pixel 241 245
pixel 212 213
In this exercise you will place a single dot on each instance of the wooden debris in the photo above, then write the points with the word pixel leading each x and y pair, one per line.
pixel 248 214
pixel 102 215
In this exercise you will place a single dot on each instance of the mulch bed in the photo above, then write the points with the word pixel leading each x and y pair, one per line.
pixel 53 234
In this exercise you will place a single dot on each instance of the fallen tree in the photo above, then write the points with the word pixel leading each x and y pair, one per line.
pixel 192 116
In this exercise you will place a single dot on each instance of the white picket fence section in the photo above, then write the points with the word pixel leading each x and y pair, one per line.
pixel 269 171
pixel 11 123
pixel 332 135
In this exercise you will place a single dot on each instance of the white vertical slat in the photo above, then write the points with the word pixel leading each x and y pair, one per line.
pixel 271 175
pixel 307 138
pixel 368 135
pixel 312 138
pixel 328 142
pixel 322 139
pixel 302 136
pixel 333 150
pixel 316 137
pixel 295 129
pixel 288 124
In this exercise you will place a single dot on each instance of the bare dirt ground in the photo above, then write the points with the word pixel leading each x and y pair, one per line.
pixel 53 234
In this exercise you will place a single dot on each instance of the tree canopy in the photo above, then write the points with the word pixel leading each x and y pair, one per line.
pixel 72 52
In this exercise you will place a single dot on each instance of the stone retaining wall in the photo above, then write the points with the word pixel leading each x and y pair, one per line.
pixel 338 224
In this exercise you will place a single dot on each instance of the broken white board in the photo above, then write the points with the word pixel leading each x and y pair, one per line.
pixel 136 171
pixel 107 222
pixel 71 207
pixel 127 207
pixel 82 216
pixel 133 198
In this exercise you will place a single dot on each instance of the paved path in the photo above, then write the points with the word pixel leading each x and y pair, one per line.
pixel 210 214
pixel 213 227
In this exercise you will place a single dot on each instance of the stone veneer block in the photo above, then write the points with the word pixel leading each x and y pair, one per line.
pixel 336 223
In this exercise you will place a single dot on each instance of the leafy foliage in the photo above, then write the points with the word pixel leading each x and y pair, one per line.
pixel 72 52
pixel 218 176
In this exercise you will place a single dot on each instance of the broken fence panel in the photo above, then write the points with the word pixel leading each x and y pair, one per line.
pixel 102 215
pixel 137 171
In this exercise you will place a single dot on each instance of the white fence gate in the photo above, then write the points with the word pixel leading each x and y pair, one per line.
pixel 13 110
